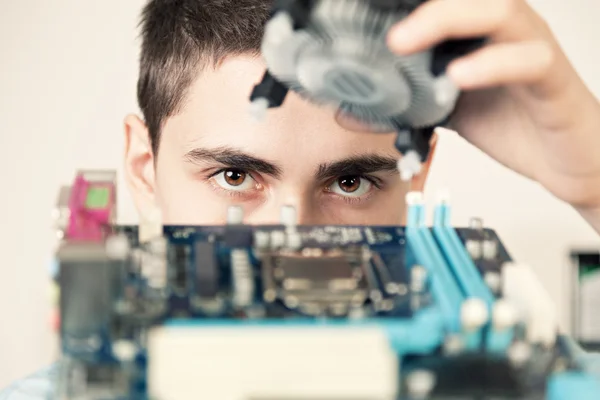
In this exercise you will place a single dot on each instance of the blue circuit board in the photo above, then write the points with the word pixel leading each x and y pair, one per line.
pixel 412 282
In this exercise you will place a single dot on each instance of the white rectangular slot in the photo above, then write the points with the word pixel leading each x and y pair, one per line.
pixel 252 363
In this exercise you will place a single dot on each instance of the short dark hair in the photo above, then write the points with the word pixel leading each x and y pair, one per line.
pixel 180 38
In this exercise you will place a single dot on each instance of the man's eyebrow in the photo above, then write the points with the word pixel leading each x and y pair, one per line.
pixel 233 158
pixel 357 165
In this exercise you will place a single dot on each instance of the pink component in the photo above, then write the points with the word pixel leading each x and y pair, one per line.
pixel 89 223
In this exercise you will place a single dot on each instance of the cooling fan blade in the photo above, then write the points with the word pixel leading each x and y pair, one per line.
pixel 340 58
pixel 334 53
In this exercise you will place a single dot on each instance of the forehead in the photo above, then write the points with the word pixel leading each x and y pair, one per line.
pixel 216 113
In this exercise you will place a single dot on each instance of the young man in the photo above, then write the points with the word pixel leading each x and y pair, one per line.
pixel 197 150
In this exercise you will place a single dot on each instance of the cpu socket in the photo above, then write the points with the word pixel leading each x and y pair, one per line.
pixel 316 282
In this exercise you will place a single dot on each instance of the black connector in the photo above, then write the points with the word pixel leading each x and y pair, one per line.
pixel 299 10
pixel 416 139
pixel 270 89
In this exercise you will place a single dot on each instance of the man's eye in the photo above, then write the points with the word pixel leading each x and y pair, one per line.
pixel 235 180
pixel 350 186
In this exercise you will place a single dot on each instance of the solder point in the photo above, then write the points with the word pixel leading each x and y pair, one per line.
pixel 277 239
pixel 519 353
pixel 262 239
pixel 294 240
pixel 474 314
pixel 235 215
pixel 289 216
pixel 474 248
pixel 124 350
pixel 414 198
pixel 494 281
pixel 117 247
pixel 270 295
pixel 418 275
pixel 291 301
pixel 504 315
pixel 420 383
pixel 453 344
pixel 489 249
pixel 356 313
pixel 158 246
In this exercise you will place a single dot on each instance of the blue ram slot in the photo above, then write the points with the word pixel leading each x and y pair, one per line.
pixel 425 335
pixel 426 253
pixel 463 267
pixel 467 274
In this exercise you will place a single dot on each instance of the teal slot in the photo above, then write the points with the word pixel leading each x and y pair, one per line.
pixel 465 273
pixel 463 267
pixel 425 334
pixel 426 252
pixel 469 277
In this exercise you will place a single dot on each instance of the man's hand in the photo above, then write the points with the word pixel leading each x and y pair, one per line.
pixel 524 104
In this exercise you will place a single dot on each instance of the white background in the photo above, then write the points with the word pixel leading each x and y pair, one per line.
pixel 67 78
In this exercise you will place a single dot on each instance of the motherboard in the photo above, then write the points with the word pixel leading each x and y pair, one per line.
pixel 290 312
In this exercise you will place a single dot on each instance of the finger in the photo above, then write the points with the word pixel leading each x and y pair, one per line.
pixel 503 64
pixel 440 20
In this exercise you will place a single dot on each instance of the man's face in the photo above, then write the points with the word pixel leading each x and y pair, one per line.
pixel 214 155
